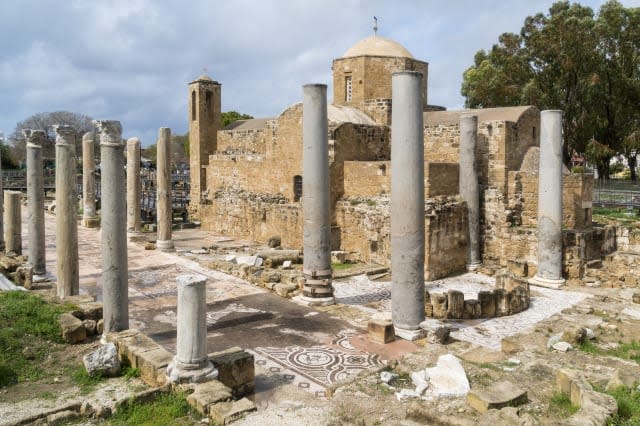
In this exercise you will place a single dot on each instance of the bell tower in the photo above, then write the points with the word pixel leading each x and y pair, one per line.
pixel 204 121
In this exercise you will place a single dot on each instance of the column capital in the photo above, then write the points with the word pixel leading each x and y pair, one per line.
pixel 133 141
pixel 64 134
pixel 35 138
pixel 110 132
pixel 89 136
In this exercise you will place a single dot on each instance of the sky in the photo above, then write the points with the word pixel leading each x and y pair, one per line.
pixel 131 60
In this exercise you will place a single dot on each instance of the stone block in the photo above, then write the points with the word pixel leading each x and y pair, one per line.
pixel 24 276
pixel 62 417
pixel 208 393
pixel 381 331
pixel 636 297
pixel 501 298
pixel 133 347
pixel 574 334
pixel 487 304
pixel 472 309
pixel 502 394
pixel 439 304
pixel 90 326
pixel 235 369
pixel 518 300
pixel 518 268
pixel 338 256
pixel 621 378
pixel 103 361
pixel 224 413
pixel 153 364
pixel 89 310
pixel 73 330
pixel 455 304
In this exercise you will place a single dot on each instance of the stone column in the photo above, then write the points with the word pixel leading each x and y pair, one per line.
pixel 164 207
pixel 549 270
pixel 191 363
pixel 89 215
pixel 317 289
pixel 12 223
pixel 35 201
pixel 469 189
pixel 407 205
pixel 67 272
pixel 133 186
pixel 2 245
pixel 115 298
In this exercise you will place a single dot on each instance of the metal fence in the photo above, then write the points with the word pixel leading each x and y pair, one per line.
pixel 616 193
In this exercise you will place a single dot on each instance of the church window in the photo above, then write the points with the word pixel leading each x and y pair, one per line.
pixel 193 105
pixel 348 88
pixel 208 96
pixel 297 188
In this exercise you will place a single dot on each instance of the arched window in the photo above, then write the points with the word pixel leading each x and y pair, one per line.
pixel 297 188
pixel 193 106
pixel 208 99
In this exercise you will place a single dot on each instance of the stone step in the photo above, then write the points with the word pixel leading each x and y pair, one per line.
pixel 224 413
pixel 502 394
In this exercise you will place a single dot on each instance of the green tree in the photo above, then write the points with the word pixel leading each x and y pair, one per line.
pixel 229 117
pixel 570 59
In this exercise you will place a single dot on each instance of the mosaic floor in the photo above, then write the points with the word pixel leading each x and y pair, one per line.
pixel 373 296
pixel 317 366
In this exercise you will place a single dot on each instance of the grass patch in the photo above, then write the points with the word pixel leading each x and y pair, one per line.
pixel 81 378
pixel 167 408
pixel 619 214
pixel 342 266
pixel 630 351
pixel 130 373
pixel 560 406
pixel 29 325
pixel 628 407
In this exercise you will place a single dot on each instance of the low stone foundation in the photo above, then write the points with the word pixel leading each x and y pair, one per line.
pixel 510 296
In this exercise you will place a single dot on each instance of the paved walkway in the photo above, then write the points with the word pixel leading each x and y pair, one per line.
pixel 292 344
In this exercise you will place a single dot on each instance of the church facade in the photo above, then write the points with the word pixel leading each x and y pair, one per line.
pixel 246 179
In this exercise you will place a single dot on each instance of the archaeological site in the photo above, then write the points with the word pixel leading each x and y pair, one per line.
pixel 362 258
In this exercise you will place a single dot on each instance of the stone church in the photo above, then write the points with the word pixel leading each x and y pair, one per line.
pixel 246 178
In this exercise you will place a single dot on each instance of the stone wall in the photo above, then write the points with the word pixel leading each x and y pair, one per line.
pixel 628 238
pixel 242 141
pixel 577 193
pixel 365 231
pixel 373 178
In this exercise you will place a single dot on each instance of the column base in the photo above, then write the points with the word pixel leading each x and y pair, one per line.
pixel 90 222
pixel 314 301
pixel 409 335
pixel 41 278
pixel 178 372
pixel 473 266
pixel 546 282
pixel 165 245
pixel 134 234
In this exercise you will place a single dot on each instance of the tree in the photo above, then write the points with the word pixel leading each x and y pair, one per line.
pixel 229 117
pixel 630 148
pixel 570 59
pixel 45 121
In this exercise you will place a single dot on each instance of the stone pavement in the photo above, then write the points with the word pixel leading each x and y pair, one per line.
pixel 292 344
pixel 307 348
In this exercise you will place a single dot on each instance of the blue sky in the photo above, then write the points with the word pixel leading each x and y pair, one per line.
pixel 131 60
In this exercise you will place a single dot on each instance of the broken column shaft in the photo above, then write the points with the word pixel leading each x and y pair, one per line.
pixel 133 185
pixel 316 197
pixel 549 269
pixel 164 205
pixel 89 215
pixel 191 363
pixel 12 223
pixel 469 189
pixel 407 205
pixel 114 228
pixel 35 200
pixel 67 272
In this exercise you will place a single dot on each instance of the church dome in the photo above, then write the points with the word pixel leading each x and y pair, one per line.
pixel 377 46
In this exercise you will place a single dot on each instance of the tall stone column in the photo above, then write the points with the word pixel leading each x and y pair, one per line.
pixel 12 223
pixel 115 298
pixel 89 214
pixel 164 207
pixel 2 245
pixel 316 271
pixel 67 272
pixel 549 270
pixel 469 189
pixel 35 201
pixel 191 363
pixel 407 205
pixel 133 186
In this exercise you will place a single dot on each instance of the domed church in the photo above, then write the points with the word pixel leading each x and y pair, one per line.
pixel 246 178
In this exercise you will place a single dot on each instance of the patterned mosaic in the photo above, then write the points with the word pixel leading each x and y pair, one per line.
pixel 316 367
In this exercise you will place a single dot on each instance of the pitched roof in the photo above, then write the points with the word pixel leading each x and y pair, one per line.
pixel 432 118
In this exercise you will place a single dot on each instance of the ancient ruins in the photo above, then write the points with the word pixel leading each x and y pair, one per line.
pixel 464 240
